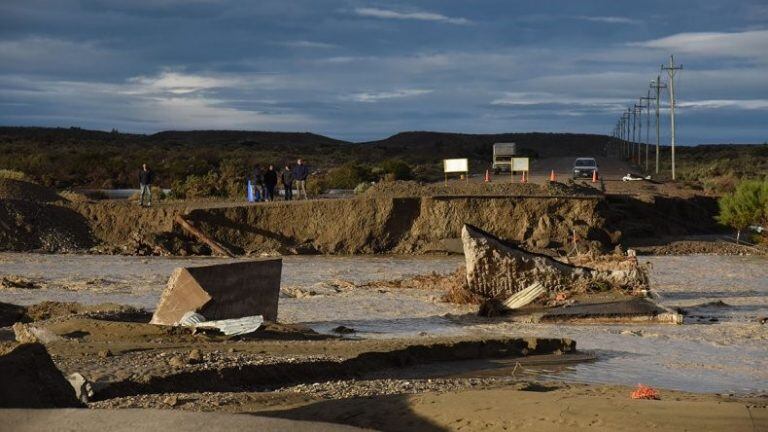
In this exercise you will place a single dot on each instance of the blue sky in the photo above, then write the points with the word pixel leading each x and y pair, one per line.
pixel 362 70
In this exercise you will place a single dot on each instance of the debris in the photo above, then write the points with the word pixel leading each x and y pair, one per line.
pixel 213 244
pixel 633 177
pixel 498 269
pixel 644 392
pixel 526 296
pixel 222 291
pixel 344 330
pixel 12 281
pixel 26 333
pixel 230 327
pixel 234 327
pixel 83 388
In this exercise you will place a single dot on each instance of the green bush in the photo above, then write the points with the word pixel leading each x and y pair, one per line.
pixel 398 169
pixel 347 176
pixel 747 205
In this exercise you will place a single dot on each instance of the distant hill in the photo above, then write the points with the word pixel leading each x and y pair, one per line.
pixel 67 157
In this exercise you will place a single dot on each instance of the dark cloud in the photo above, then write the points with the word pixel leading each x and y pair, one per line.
pixel 364 69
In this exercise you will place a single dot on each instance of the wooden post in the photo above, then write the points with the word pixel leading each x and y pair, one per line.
pixel 213 244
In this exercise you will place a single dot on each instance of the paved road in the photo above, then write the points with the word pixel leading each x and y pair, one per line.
pixel 610 169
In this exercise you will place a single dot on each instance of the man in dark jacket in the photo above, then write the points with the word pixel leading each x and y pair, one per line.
pixel 300 174
pixel 270 181
pixel 287 178
pixel 146 177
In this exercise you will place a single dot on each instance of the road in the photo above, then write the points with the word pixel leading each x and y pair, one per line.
pixel 610 170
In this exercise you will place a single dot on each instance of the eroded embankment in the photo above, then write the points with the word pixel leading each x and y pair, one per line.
pixel 402 225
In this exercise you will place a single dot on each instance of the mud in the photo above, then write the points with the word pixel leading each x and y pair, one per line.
pixel 400 225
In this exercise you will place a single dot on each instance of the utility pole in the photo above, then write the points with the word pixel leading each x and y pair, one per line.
pixel 639 110
pixel 647 100
pixel 627 115
pixel 671 69
pixel 633 113
pixel 658 85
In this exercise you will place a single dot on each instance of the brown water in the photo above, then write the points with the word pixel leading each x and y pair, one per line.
pixel 723 350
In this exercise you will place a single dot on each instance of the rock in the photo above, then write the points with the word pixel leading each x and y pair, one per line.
pixel 105 353
pixel 83 388
pixel 195 356
pixel 222 291
pixel 29 379
pixel 26 333
pixel 343 330
pixel 177 362
pixel 171 401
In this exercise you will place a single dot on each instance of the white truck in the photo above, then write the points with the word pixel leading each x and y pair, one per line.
pixel 502 156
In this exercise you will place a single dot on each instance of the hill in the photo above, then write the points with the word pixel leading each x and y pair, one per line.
pixel 77 157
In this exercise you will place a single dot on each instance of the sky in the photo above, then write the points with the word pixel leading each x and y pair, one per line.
pixel 363 69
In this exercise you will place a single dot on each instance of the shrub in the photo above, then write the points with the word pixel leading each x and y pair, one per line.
pixel 362 187
pixel 398 169
pixel 748 204
pixel 347 176
pixel 13 175
pixel 316 185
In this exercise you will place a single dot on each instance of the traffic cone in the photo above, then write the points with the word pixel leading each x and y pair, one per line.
pixel 552 176
pixel 594 176
pixel 487 176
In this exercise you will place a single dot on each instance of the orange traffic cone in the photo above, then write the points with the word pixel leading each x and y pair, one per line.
pixel 594 176
pixel 552 176
pixel 487 176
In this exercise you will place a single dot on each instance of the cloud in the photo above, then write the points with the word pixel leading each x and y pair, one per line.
pixel 419 16
pixel 609 19
pixel 371 97
pixel 747 44
pixel 746 104
pixel 528 99
pixel 308 44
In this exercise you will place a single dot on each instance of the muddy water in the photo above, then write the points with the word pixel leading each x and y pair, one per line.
pixel 720 349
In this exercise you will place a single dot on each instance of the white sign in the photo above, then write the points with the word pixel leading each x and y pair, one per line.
pixel 519 164
pixel 456 165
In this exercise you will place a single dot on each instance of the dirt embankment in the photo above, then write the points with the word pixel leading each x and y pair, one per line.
pixel 33 217
pixel 401 225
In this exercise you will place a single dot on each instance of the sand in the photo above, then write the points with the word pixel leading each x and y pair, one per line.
pixel 572 408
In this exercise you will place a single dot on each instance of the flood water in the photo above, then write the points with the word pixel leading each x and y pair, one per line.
pixel 722 347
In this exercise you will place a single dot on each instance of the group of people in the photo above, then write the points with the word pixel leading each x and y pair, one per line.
pixel 264 182
pixel 290 177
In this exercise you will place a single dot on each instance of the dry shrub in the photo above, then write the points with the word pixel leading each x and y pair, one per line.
pixel 13 175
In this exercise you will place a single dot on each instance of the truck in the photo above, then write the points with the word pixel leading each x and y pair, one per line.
pixel 502 156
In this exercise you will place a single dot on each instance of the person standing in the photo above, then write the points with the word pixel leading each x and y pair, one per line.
pixel 258 183
pixel 146 177
pixel 300 174
pixel 287 178
pixel 270 181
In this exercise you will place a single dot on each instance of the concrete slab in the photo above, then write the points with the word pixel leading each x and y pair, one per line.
pixel 628 310
pixel 222 291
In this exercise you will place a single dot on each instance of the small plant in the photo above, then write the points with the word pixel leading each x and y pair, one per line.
pixel 747 205
pixel 13 175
